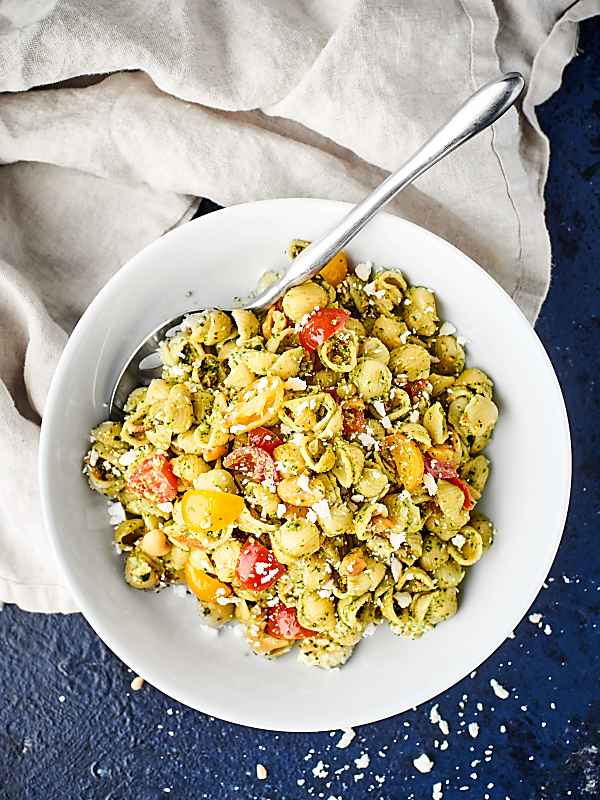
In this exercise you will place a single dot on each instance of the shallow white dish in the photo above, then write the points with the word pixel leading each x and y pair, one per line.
pixel 218 257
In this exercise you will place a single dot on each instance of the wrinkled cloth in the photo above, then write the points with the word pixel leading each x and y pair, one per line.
pixel 141 107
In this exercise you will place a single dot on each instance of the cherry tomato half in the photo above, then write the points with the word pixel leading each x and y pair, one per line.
pixel 209 509
pixel 282 623
pixel 353 416
pixel 203 585
pixel 321 326
pixel 154 479
pixel 439 469
pixel 447 472
pixel 415 388
pixel 257 567
pixel 252 463
pixel 265 439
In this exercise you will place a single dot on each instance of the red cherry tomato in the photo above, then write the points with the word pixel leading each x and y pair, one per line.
pixel 321 326
pixel 252 462
pixel 353 417
pixel 447 472
pixel 415 388
pixel 153 478
pixel 282 623
pixel 439 469
pixel 265 439
pixel 257 567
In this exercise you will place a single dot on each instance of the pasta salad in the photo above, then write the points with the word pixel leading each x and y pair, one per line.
pixel 310 472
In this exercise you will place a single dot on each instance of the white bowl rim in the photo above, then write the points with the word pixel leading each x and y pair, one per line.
pixel 121 648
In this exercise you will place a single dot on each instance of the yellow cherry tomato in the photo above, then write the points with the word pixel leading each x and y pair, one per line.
pixel 408 460
pixel 210 510
pixel 335 270
pixel 203 585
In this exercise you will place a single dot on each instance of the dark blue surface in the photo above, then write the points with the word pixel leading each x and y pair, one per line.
pixel 70 727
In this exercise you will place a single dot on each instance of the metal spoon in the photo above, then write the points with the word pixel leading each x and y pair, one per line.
pixel 475 115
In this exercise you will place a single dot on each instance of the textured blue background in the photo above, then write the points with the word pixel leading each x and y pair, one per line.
pixel 70 727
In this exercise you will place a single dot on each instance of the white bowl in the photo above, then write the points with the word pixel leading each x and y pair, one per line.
pixel 218 257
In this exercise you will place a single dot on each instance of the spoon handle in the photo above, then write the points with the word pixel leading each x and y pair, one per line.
pixel 475 115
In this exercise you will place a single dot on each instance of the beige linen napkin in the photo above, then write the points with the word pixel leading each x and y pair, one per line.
pixel 237 101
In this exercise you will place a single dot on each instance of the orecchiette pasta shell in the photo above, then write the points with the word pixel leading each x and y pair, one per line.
pixel 316 613
pixel 477 381
pixel 450 499
pixel 434 420
pixel 470 550
pixel 391 332
pixel 450 355
pixel 300 490
pixel 301 300
pixel 476 472
pixel 340 352
pixel 411 360
pixel 420 313
pixel 372 378
pixel 246 322
pixel 297 538
pixel 349 463
pixel 435 553
pixel 484 528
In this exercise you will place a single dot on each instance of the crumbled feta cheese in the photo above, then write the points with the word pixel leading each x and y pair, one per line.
pixel 473 730
pixel 387 423
pixel 363 270
pixel 235 429
pixel 434 714
pixel 403 599
pixel 499 690
pixel 358 498
pixel 116 513
pixel 423 763
pixel 547 629
pixel 93 459
pixel 321 508
pixel 165 507
pixel 397 539
pixel 367 440
pixel 379 407
pixel 404 336
pixel 447 329
pixel 324 593
pixel 319 771
pixel 445 729
pixel 261 772
pixel 414 415
pixel 444 744
pixel 363 761
pixel 348 735
pixel 311 516
pixel 395 568
pixel 281 509
pixel 430 484
pixel 303 482
pixel 128 458
pixel 295 384
pixel 436 791
pixel 535 618
pixel 458 540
